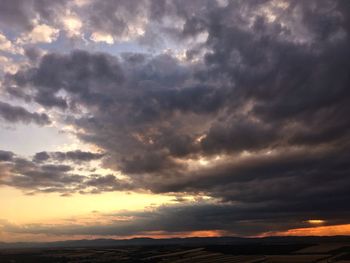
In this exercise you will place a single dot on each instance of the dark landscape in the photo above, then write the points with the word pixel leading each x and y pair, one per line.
pixel 222 249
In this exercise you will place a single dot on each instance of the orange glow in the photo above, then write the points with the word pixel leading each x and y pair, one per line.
pixel 207 233
pixel 163 234
pixel 50 208
pixel 316 221
pixel 19 237
pixel 317 231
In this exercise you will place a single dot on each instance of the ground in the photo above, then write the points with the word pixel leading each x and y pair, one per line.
pixel 243 253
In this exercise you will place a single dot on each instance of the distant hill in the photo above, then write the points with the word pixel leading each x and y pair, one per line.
pixel 176 241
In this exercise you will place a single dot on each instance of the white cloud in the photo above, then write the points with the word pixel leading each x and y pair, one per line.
pixel 7 65
pixel 7 46
pixel 81 3
pixel 135 31
pixel 40 34
pixel 102 37
pixel 72 24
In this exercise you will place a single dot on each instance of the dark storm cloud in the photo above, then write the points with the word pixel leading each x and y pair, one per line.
pixel 238 135
pixel 75 74
pixel 41 156
pixel 33 53
pixel 280 177
pixel 14 114
pixel 6 156
pixel 75 156
pixel 260 119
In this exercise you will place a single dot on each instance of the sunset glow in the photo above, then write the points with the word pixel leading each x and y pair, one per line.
pixel 334 230
pixel 316 221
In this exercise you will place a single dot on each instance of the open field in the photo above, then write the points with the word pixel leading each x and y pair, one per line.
pixel 246 253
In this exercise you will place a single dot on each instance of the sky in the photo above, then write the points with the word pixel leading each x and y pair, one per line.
pixel 159 118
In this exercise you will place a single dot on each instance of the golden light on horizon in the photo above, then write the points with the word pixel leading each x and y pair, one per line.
pixel 316 221
pixel 42 208
pixel 333 230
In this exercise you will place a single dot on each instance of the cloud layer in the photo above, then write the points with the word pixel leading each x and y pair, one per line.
pixel 12 113
pixel 250 107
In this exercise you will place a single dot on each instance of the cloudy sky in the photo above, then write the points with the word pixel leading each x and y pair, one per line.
pixel 125 118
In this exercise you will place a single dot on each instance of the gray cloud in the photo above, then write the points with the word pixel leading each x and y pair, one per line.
pixel 43 175
pixel 21 14
pixel 12 113
pixel 6 156
pixel 75 156
pixel 33 53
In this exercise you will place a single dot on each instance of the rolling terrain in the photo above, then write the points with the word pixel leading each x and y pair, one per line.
pixel 201 250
